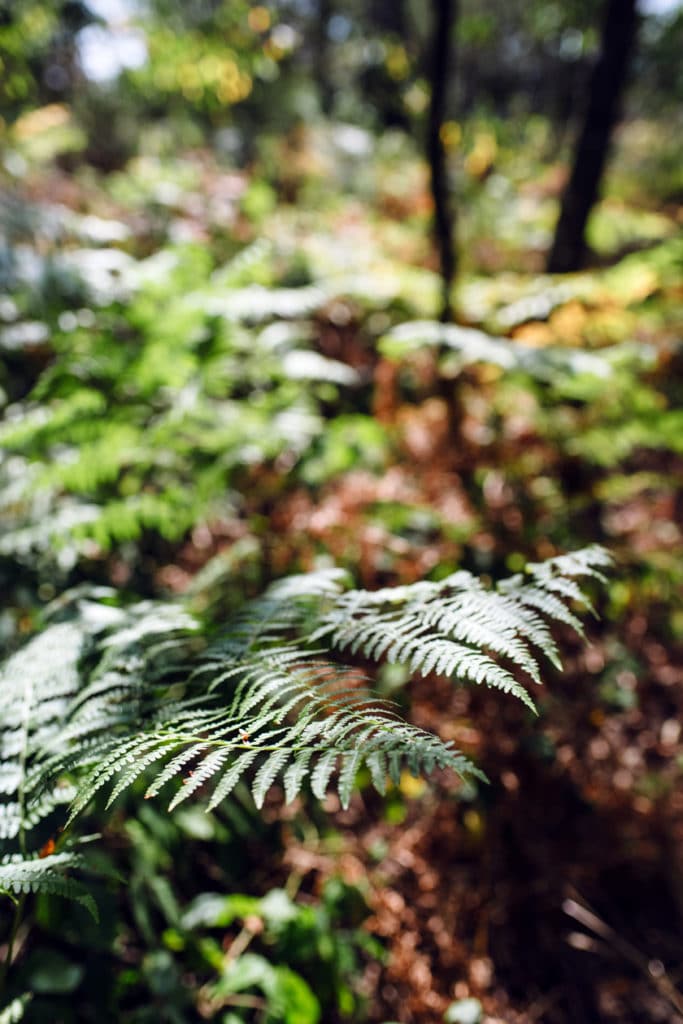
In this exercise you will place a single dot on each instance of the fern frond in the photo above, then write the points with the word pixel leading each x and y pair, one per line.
pixel 47 875
pixel 553 582
pixel 111 697
pixel 190 379
pixel 450 627
pixel 474 346
pixel 255 304
pixel 287 711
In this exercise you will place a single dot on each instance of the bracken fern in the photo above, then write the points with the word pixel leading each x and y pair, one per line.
pixel 106 696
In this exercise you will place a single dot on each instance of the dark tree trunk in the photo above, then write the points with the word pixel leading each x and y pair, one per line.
pixel 390 17
pixel 604 93
pixel 321 57
pixel 569 81
pixel 444 215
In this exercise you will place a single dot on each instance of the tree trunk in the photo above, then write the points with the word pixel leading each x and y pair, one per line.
pixel 444 215
pixel 321 58
pixel 605 90
pixel 390 17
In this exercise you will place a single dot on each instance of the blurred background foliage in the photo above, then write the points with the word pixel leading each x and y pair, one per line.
pixel 220 362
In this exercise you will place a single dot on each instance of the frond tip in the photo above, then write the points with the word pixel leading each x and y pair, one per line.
pixel 459 628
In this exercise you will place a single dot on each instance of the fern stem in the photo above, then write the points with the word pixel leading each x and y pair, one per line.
pixel 265 748
pixel 21 792
pixel 16 921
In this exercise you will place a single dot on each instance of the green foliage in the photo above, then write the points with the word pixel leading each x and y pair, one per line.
pixel 149 422
pixel 14 1011
pixel 289 998
pixel 348 442
pixel 107 696
pixel 290 930
pixel 602 405
pixel 474 346
pixel 35 36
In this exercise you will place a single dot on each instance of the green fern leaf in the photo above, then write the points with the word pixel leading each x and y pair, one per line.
pixel 231 777
pixel 21 876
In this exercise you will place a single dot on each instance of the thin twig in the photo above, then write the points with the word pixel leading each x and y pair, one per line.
pixel 654 970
